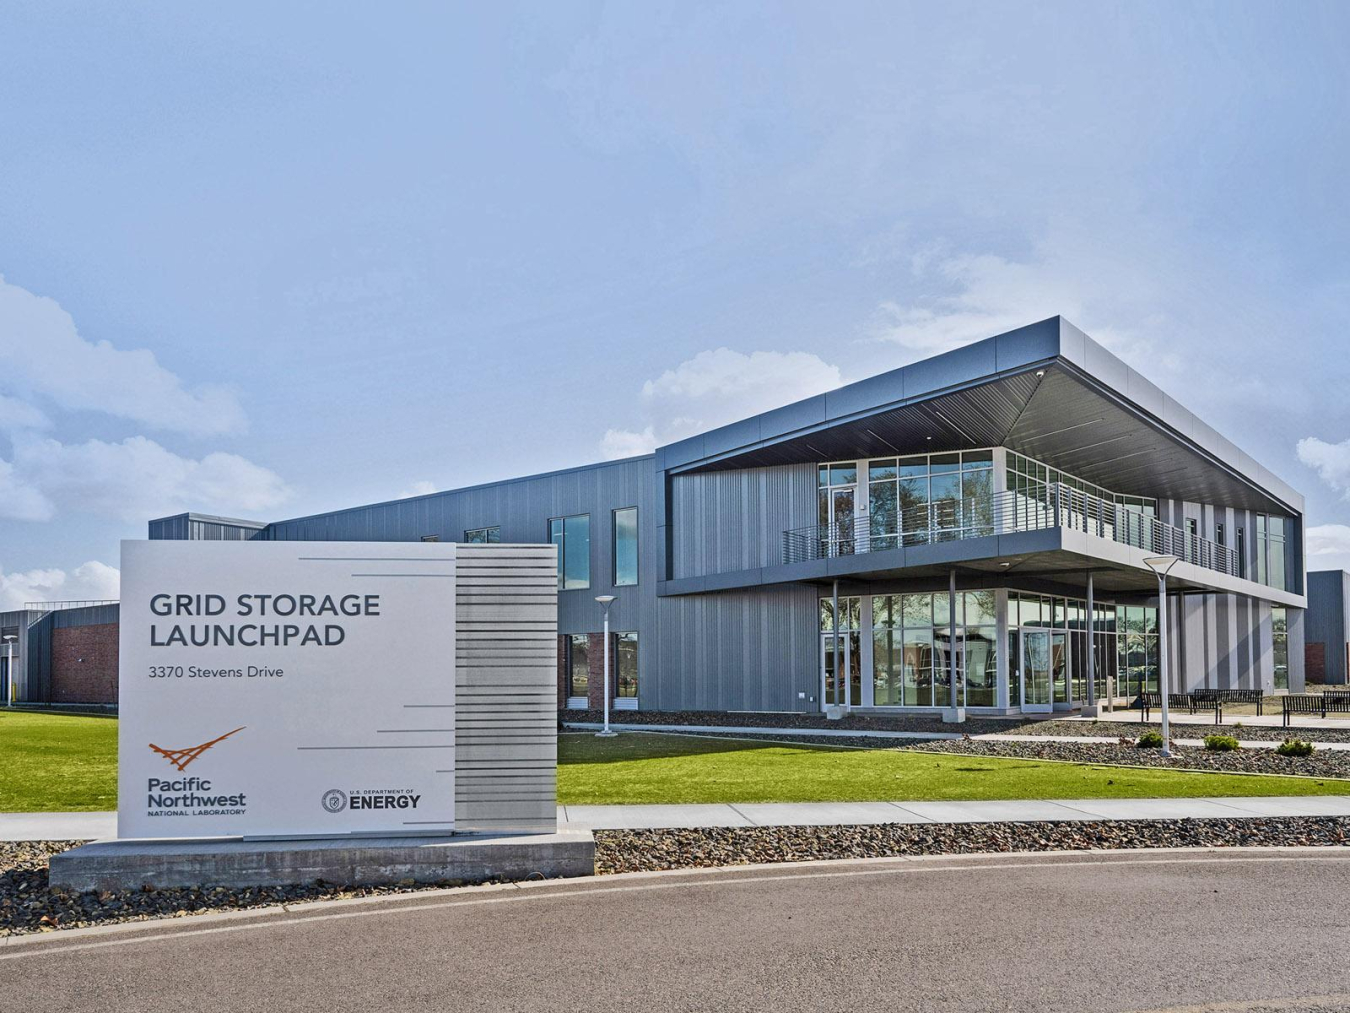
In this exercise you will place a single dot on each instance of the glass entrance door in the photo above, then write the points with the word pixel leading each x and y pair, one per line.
pixel 849 655
pixel 1036 664
pixel 841 522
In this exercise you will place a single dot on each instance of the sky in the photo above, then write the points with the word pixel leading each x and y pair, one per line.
pixel 269 260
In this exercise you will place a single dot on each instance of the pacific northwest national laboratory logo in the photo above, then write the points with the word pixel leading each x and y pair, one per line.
pixel 334 801
pixel 180 758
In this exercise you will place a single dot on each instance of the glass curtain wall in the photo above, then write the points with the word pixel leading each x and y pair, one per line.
pixel 912 650
pixel 930 498
pixel 841 653
pixel 1125 639
pixel 1279 626
pixel 1271 535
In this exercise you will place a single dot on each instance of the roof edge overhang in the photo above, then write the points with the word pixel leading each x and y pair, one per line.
pixel 1052 343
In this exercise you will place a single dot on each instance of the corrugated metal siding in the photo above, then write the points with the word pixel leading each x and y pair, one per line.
pixel 739 650
pixel 91 615
pixel 39 651
pixel 187 527
pixel 1328 618
pixel 734 520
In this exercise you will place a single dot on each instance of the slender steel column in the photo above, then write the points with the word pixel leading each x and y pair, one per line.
pixel 839 696
pixel 951 642
pixel 1091 647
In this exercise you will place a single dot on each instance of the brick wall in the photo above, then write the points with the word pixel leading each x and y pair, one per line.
pixel 1315 663
pixel 84 664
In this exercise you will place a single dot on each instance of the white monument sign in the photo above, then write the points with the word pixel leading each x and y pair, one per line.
pixel 274 689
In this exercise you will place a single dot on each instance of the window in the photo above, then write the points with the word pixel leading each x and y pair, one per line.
pixel 1192 540
pixel 932 497
pixel 626 666
pixel 1219 535
pixel 626 548
pixel 1279 626
pixel 1271 534
pixel 572 536
pixel 1242 552
pixel 578 664
pixel 431 538
pixel 483 536
pixel 911 650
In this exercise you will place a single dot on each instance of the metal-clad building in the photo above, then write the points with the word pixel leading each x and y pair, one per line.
pixel 1328 627
pixel 60 652
pixel 1034 472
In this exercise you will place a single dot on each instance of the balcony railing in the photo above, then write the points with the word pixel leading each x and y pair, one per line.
pixel 1057 506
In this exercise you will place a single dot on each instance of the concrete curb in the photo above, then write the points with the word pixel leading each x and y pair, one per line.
pixel 725 875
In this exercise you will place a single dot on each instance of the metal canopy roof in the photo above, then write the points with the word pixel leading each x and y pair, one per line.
pixel 1038 391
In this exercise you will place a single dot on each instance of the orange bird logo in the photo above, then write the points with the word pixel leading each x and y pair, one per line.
pixel 180 758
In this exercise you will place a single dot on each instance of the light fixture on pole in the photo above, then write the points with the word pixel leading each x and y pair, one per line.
pixel 9 639
pixel 1162 565
pixel 606 600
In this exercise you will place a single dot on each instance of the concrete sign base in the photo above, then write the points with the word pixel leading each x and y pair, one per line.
pixel 470 858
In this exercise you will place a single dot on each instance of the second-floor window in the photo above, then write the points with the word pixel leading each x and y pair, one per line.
pixel 1271 534
pixel 572 536
pixel 483 536
pixel 625 546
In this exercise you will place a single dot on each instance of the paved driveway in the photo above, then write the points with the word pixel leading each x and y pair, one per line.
pixel 1051 932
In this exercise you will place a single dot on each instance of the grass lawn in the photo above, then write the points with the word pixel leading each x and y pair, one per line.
pixel 67 763
pixel 57 763
pixel 653 768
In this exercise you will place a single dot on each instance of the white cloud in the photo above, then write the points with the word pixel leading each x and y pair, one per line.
pixel 716 387
pixel 90 581
pixel 619 443
pixel 134 480
pixel 45 357
pixel 1331 461
pixel 1329 547
pixel 966 297
pixel 16 414
pixel 422 488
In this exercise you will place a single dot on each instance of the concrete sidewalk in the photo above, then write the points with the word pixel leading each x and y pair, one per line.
pixel 81 826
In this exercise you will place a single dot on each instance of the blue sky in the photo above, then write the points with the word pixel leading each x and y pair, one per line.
pixel 265 260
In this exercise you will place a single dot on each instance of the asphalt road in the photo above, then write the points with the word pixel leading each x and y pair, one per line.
pixel 1251 931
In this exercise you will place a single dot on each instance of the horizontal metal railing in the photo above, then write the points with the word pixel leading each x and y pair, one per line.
pixel 1051 506
pixel 55 606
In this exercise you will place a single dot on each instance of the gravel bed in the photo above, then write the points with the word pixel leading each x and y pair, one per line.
pixel 1327 763
pixel 655 850
pixel 1128 724
pixel 1133 726
pixel 27 905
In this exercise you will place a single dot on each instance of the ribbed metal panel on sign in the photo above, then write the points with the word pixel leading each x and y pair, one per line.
pixel 506 709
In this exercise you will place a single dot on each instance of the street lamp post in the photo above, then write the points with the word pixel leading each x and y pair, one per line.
pixel 606 600
pixel 9 668
pixel 1162 565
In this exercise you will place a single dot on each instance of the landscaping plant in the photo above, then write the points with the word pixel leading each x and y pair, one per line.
pixel 1150 740
pixel 1294 747
pixel 1221 743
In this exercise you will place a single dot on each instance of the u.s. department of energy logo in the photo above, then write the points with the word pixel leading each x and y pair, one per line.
pixel 334 800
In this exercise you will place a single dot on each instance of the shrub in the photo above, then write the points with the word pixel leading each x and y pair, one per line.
pixel 1294 747
pixel 1150 740
pixel 1221 743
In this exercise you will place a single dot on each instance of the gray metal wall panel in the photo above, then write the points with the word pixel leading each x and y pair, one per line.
pixel 725 521
pixel 739 650
pixel 1328 618
pixel 89 615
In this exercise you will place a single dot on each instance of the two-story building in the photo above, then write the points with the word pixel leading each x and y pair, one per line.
pixel 987 511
